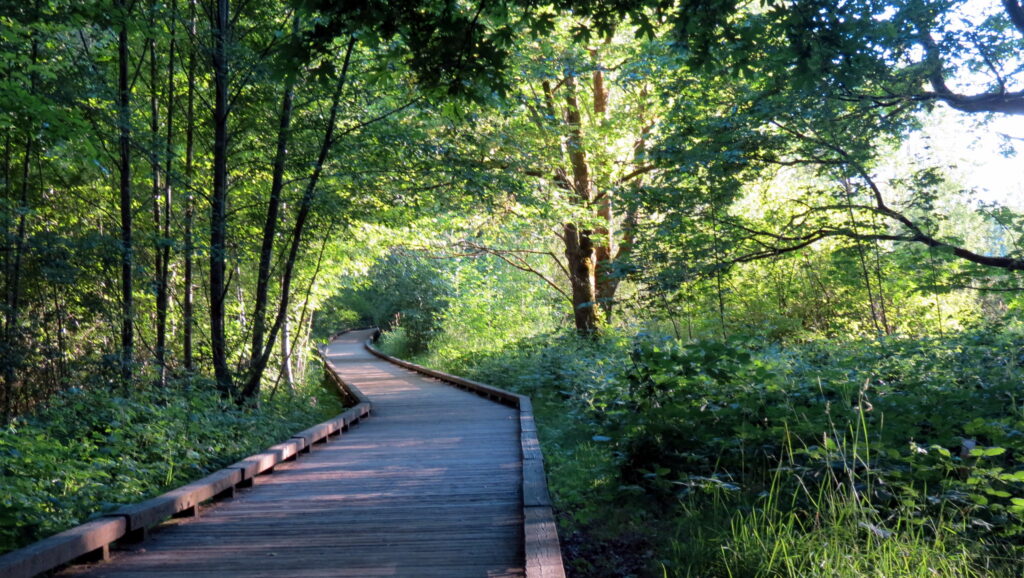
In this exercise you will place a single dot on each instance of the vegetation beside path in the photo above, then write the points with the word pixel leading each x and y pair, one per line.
pixel 870 457
pixel 90 451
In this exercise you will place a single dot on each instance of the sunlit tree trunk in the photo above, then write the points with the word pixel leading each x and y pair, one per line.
pixel 579 247
pixel 579 253
pixel 286 353
pixel 163 200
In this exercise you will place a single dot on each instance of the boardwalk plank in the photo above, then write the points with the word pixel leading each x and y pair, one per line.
pixel 429 485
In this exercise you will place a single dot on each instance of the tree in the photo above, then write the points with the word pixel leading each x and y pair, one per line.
pixel 830 88
pixel 578 121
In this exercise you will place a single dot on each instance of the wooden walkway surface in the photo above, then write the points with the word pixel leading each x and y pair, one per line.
pixel 428 486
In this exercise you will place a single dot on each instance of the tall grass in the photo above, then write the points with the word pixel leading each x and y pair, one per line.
pixel 816 519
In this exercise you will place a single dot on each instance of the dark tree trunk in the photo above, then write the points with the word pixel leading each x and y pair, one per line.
pixel 163 247
pixel 125 162
pixel 259 321
pixel 252 385
pixel 188 308
pixel 6 358
pixel 219 198
pixel 157 194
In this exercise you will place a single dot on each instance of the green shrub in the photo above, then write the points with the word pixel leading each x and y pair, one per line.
pixel 914 439
pixel 92 450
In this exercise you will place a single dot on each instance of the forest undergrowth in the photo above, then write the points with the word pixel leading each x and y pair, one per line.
pixel 91 450
pixel 870 457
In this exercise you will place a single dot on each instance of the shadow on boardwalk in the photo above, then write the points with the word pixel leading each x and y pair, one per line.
pixel 428 486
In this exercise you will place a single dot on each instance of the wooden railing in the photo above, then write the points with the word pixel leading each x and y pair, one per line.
pixel 540 534
pixel 91 541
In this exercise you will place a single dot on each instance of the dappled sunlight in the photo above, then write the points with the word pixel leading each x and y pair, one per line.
pixel 429 481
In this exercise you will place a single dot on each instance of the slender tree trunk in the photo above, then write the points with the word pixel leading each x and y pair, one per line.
pixel 259 321
pixel 8 233
pixel 12 317
pixel 188 308
pixel 577 153
pixel 255 376
pixel 12 338
pixel 880 281
pixel 286 353
pixel 7 386
pixel 156 193
pixel 877 317
pixel 240 299
pixel 125 164
pixel 219 197
pixel 305 317
pixel 163 248
pixel 719 280
pixel 60 366
pixel 13 313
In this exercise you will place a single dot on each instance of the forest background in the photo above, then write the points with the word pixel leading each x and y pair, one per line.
pixel 734 250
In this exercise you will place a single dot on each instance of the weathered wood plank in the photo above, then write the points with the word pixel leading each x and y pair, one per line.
pixel 543 555
pixel 502 395
pixel 431 486
pixel 155 510
pixel 89 538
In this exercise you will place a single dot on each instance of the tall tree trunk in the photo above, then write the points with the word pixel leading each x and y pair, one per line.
pixel 219 197
pixel 255 376
pixel 6 351
pixel 579 246
pixel 13 313
pixel 8 233
pixel 259 321
pixel 579 254
pixel 125 189
pixel 163 247
pixel 581 182
pixel 874 301
pixel 605 280
pixel 156 193
pixel 6 357
pixel 286 353
pixel 188 308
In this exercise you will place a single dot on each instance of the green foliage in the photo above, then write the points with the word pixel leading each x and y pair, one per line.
pixel 333 316
pixel 404 292
pixel 92 450
pixel 730 457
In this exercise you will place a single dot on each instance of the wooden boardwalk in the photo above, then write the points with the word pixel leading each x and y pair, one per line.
pixel 428 486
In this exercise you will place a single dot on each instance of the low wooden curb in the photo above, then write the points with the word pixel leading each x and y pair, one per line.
pixel 91 541
pixel 540 533
pixel 88 542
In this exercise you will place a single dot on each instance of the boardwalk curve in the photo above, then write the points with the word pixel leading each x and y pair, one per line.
pixel 429 486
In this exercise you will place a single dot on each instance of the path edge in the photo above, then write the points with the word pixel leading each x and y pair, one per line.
pixel 91 541
pixel 540 533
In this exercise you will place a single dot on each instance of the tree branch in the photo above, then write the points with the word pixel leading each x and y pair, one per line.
pixel 1015 10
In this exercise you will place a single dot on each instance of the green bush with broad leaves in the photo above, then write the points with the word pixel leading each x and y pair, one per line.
pixel 715 457
pixel 92 450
